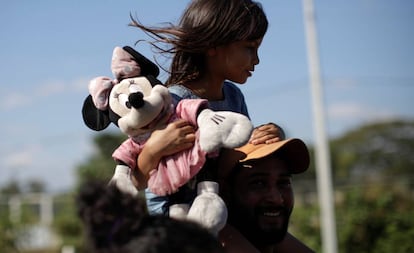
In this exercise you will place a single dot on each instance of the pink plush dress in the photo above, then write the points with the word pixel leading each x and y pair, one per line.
pixel 175 170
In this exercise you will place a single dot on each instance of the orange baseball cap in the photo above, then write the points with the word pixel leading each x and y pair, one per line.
pixel 294 152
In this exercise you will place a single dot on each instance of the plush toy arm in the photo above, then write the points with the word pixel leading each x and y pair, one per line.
pixel 223 129
pixel 122 179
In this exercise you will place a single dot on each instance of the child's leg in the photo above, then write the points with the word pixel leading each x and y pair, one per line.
pixel 156 205
pixel 161 204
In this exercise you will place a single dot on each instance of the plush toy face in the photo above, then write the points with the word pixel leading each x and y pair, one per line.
pixel 141 107
pixel 135 100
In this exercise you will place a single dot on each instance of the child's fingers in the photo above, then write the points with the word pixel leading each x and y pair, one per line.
pixel 268 133
pixel 180 123
pixel 265 139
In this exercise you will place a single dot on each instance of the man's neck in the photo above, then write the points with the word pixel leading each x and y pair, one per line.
pixel 267 249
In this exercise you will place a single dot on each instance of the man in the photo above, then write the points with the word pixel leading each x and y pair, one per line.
pixel 256 185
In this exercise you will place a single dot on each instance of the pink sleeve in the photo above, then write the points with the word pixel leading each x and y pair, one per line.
pixel 188 109
pixel 128 153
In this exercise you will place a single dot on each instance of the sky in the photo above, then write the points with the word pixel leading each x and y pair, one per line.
pixel 51 49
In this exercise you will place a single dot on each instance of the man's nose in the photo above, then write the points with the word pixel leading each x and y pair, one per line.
pixel 274 195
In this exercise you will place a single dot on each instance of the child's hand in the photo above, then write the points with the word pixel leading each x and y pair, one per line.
pixel 177 136
pixel 267 133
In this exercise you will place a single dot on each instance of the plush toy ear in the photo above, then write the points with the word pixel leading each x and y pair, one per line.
pixel 153 81
pixel 147 66
pixel 94 118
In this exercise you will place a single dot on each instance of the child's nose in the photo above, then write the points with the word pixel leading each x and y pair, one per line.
pixel 256 59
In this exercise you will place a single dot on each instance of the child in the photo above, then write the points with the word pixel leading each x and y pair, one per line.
pixel 209 47
pixel 215 44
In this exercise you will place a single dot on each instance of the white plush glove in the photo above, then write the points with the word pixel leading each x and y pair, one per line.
pixel 208 208
pixel 223 129
pixel 122 180
pixel 179 211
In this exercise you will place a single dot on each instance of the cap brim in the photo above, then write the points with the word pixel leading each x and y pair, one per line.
pixel 294 151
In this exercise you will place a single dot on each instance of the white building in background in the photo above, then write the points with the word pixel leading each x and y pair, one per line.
pixel 33 236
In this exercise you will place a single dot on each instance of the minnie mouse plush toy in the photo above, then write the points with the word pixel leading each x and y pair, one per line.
pixel 138 103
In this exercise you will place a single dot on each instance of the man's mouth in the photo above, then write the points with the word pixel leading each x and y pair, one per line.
pixel 272 214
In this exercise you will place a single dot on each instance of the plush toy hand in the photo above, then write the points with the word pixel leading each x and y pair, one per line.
pixel 223 129
pixel 122 180
pixel 208 208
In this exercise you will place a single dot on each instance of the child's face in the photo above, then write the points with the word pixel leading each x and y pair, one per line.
pixel 236 61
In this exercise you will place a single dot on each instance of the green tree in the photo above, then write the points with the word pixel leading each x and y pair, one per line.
pixel 376 219
pixel 374 151
pixel 7 232
pixel 11 187
pixel 373 182
pixel 66 223
pixel 101 165
pixel 36 186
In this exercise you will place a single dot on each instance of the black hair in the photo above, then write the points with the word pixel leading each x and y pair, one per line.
pixel 119 222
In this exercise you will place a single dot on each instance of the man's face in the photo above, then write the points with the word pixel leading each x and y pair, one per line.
pixel 261 200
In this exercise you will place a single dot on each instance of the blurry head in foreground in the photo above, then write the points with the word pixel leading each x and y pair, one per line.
pixel 119 222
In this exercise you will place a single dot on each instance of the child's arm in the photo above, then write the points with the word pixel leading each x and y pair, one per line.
pixel 267 133
pixel 177 136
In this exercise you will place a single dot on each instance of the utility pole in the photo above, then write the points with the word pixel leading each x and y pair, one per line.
pixel 322 158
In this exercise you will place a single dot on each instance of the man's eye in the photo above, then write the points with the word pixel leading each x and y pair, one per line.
pixel 257 183
pixel 284 183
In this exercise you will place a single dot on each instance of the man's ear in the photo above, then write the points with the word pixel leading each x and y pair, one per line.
pixel 94 118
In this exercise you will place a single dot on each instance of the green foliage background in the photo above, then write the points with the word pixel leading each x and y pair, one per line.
pixel 374 191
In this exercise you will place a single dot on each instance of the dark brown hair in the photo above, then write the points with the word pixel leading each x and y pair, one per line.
pixel 116 222
pixel 205 24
